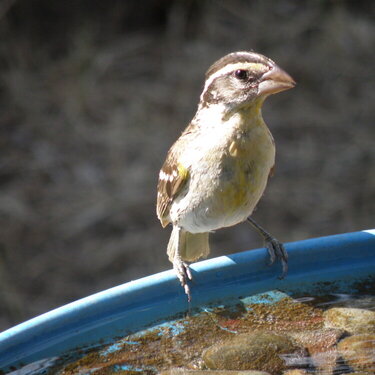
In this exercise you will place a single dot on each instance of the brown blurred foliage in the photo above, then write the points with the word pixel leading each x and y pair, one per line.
pixel 93 93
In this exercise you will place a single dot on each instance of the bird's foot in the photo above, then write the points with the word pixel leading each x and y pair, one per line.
pixel 277 251
pixel 275 248
pixel 183 273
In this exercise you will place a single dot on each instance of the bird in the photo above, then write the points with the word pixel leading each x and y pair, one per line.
pixel 217 170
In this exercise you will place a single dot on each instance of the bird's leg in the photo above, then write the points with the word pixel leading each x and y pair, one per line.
pixel 182 268
pixel 275 248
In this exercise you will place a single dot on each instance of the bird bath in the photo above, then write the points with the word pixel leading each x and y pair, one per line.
pixel 156 305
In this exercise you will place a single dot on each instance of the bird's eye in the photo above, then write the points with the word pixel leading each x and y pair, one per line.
pixel 241 74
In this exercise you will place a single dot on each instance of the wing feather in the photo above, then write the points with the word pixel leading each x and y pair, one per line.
pixel 172 178
pixel 173 175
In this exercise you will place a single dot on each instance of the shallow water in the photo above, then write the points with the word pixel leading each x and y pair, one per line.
pixel 183 342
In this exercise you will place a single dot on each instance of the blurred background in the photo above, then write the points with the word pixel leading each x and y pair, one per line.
pixel 92 95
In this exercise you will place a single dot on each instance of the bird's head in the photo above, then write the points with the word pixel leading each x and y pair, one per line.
pixel 241 78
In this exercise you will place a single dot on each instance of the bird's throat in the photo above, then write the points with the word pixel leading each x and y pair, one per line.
pixel 218 115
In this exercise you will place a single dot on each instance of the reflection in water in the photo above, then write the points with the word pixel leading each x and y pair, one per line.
pixel 270 332
pixel 36 368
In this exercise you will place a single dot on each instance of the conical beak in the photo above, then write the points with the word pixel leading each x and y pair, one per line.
pixel 275 80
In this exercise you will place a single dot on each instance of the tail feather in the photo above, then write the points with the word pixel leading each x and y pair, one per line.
pixel 190 246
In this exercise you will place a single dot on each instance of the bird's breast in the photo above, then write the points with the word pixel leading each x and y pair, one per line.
pixel 245 168
pixel 228 176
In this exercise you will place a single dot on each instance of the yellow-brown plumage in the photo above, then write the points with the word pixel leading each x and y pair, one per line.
pixel 216 172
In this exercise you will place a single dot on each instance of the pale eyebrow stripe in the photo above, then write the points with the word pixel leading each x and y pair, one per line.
pixel 229 68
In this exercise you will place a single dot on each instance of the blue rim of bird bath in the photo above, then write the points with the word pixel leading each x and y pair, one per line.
pixel 341 263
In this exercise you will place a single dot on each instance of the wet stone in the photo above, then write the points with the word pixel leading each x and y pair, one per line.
pixel 321 346
pixel 352 320
pixel 359 352
pixel 262 351
pixel 296 371
pixel 178 371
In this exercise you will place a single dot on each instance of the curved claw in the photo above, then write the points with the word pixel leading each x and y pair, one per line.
pixel 183 273
pixel 277 250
